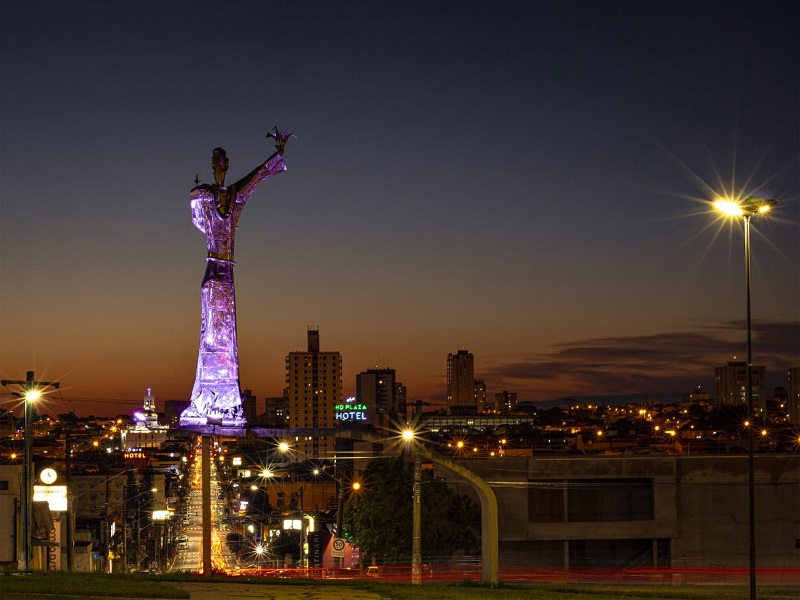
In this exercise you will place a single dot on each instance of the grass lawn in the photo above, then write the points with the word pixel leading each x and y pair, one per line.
pixel 576 592
pixel 59 584
pixel 42 584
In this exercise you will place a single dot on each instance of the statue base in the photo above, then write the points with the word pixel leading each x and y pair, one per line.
pixel 216 403
pixel 208 421
pixel 191 418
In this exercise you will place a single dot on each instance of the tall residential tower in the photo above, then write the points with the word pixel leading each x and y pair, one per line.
pixel 460 381
pixel 314 384
pixel 382 394
pixel 731 384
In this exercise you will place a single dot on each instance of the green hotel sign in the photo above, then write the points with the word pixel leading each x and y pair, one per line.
pixel 350 411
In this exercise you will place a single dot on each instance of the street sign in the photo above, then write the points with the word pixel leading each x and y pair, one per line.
pixel 54 495
pixel 337 550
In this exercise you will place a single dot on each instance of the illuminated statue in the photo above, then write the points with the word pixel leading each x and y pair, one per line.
pixel 216 396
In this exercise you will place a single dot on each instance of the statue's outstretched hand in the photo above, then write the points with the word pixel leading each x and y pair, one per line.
pixel 280 137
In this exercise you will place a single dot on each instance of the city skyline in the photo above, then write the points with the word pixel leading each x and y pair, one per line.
pixel 529 183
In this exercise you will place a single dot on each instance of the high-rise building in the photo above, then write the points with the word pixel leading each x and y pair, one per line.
pixel 314 383
pixel 505 402
pixel 377 390
pixel 401 397
pixel 173 410
pixel 479 387
pixel 249 406
pixel 276 411
pixel 793 387
pixel 460 381
pixel 731 383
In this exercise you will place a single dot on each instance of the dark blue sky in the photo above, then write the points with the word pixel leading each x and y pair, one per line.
pixel 524 180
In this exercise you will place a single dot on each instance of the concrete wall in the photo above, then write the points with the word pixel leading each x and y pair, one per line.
pixel 713 511
pixel 699 517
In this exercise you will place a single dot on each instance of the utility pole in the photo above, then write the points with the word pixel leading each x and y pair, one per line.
pixel 107 522
pixel 70 520
pixel 125 495
pixel 31 391
pixel 416 541
pixel 338 562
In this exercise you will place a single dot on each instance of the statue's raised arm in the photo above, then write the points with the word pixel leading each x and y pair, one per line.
pixel 280 137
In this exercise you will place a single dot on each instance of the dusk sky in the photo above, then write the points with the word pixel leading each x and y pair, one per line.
pixel 526 180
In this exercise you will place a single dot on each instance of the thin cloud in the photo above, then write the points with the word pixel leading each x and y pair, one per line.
pixel 664 364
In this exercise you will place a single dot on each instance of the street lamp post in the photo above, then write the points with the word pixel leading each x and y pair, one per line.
pixel 416 514
pixel 27 478
pixel 32 391
pixel 747 209
pixel 416 542
pixel 286 449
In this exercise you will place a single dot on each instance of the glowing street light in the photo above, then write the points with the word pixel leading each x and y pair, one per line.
pixel 746 209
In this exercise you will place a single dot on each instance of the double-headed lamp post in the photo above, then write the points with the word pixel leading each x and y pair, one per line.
pixel 748 208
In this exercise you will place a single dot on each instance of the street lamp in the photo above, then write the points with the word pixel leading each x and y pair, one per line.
pixel 416 539
pixel 748 208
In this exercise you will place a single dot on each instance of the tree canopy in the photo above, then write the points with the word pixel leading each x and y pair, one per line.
pixel 378 518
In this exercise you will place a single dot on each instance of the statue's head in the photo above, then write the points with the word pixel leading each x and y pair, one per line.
pixel 219 163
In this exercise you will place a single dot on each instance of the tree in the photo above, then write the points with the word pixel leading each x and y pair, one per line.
pixel 378 518
pixel 287 542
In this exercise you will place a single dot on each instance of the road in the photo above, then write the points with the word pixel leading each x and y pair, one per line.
pixel 190 557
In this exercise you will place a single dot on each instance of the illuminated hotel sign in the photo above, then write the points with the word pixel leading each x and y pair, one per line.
pixel 350 411
pixel 135 455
